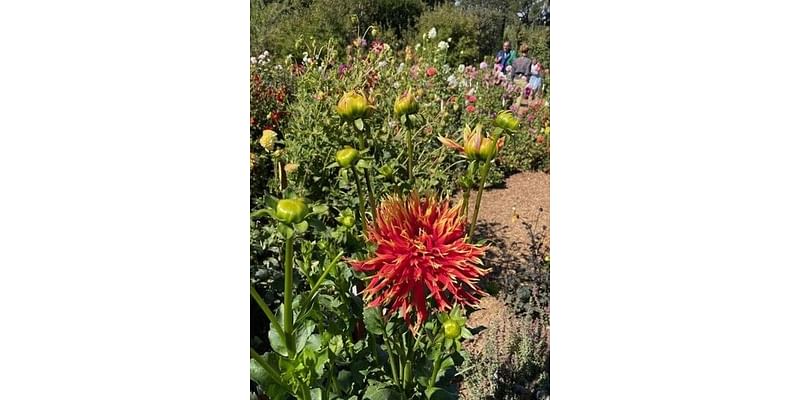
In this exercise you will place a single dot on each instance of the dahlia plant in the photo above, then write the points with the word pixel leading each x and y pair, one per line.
pixel 422 265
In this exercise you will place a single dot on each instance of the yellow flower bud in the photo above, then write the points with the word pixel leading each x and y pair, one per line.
pixel 352 106
pixel 405 104
pixel 506 120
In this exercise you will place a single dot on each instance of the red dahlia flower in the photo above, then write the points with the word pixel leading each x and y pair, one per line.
pixel 421 253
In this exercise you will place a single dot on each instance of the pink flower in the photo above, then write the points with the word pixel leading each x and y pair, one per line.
pixel 431 72
pixel 470 108
pixel 472 99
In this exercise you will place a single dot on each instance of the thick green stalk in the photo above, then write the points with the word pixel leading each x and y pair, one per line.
pixel 484 173
pixel 360 201
pixel 288 271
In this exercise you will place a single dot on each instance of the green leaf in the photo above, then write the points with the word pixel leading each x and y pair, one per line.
pixel 285 230
pixel 381 392
pixel 302 334
pixel 276 342
pixel 359 124
pixel 319 209
pixel 261 213
pixel 435 393
pixel 345 379
pixel 258 374
pixel 373 321
pixel 316 394
pixel 301 227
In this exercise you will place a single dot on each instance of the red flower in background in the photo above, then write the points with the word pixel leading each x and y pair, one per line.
pixel 431 72
pixel 470 108
pixel 472 99
pixel 421 252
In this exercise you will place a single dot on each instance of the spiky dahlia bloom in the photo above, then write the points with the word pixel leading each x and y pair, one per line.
pixel 421 253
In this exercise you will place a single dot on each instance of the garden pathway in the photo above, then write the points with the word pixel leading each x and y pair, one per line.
pixel 515 220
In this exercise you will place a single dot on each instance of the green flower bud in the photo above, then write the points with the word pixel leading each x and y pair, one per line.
pixel 451 329
pixel 347 156
pixel 506 120
pixel 291 211
pixel 386 171
pixel 487 151
pixel 348 221
pixel 406 104
pixel 352 106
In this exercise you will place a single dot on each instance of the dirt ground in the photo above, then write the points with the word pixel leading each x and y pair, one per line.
pixel 515 221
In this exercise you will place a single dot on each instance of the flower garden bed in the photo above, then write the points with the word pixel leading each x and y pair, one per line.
pixel 368 174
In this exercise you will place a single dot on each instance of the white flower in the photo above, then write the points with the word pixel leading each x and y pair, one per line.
pixel 443 45
pixel 451 80
pixel 261 62
pixel 432 33
pixel 417 46
pixel 252 60
pixel 400 67
pixel 449 40
pixel 381 64
pixel 396 85
pixel 461 68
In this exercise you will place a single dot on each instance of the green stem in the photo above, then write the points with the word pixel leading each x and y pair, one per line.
pixel 370 192
pixel 360 201
pixel 273 374
pixel 371 196
pixel 313 292
pixel 465 204
pixel 287 295
pixel 263 305
pixel 484 174
pixel 437 364
pixel 402 361
pixel 390 351
pixel 409 366
pixel 410 146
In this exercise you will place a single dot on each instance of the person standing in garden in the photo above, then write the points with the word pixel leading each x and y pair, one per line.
pixel 522 65
pixel 504 57
pixel 535 82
